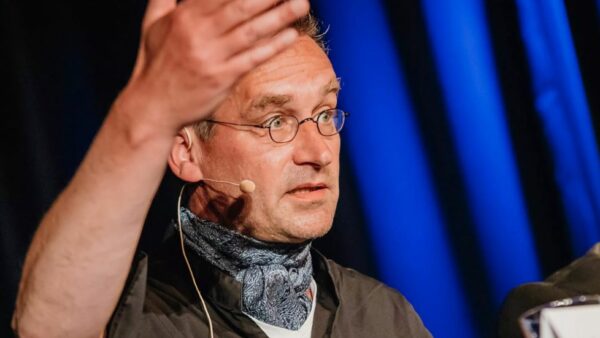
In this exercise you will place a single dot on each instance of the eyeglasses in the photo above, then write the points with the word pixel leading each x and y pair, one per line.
pixel 283 128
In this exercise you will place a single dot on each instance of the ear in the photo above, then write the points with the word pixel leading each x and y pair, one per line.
pixel 184 159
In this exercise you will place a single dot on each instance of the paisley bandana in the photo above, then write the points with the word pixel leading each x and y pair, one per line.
pixel 274 276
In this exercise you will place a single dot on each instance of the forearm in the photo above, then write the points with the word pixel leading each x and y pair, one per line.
pixel 190 56
pixel 81 254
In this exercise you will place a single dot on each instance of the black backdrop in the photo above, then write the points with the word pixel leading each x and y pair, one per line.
pixel 62 64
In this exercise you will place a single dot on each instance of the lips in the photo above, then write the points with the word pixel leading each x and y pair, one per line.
pixel 307 188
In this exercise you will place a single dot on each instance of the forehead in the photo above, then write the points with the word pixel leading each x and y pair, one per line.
pixel 301 70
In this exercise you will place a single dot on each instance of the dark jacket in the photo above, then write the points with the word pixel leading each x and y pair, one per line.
pixel 159 301
pixel 582 277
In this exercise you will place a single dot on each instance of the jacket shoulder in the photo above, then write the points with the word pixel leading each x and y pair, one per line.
pixel 154 307
pixel 372 306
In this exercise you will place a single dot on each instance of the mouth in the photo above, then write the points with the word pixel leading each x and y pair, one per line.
pixel 309 190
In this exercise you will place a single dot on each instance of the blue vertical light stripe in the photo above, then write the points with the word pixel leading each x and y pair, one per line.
pixel 465 65
pixel 562 107
pixel 393 177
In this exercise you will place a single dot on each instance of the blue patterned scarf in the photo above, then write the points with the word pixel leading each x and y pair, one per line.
pixel 274 277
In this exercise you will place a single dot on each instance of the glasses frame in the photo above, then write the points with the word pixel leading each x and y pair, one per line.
pixel 267 125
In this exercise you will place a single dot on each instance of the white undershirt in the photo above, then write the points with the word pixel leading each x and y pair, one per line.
pixel 303 332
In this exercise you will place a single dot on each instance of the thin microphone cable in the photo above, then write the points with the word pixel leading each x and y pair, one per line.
pixel 210 326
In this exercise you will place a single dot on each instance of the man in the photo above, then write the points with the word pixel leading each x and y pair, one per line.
pixel 581 277
pixel 226 91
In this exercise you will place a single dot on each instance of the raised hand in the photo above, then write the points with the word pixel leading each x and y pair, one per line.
pixel 192 53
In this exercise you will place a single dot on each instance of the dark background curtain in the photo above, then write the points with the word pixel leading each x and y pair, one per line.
pixel 469 163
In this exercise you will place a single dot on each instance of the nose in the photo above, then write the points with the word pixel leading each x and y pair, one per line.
pixel 312 148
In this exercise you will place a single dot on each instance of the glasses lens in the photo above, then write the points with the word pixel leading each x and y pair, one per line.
pixel 330 122
pixel 283 128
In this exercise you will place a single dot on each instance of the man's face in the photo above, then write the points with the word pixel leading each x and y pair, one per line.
pixel 296 182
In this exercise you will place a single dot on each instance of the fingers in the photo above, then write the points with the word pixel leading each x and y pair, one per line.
pixel 197 49
pixel 203 7
pixel 249 59
pixel 155 10
pixel 238 11
pixel 265 25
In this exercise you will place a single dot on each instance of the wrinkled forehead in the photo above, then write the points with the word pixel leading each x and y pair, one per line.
pixel 299 74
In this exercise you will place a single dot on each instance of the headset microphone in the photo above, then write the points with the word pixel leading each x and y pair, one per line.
pixel 246 186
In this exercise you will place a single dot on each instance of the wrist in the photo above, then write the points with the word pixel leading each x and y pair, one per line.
pixel 140 119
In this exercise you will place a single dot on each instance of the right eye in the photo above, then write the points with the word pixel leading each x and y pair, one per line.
pixel 275 123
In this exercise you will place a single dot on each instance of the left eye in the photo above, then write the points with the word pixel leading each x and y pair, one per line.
pixel 325 117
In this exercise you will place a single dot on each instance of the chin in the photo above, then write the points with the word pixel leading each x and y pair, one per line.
pixel 308 228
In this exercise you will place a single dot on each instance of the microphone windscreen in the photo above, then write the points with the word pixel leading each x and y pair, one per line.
pixel 247 186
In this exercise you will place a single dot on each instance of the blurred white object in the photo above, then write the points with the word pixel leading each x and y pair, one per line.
pixel 571 322
pixel 575 317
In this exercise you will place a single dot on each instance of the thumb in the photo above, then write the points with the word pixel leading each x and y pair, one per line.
pixel 157 9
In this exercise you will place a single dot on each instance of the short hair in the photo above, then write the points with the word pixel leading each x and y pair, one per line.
pixel 307 25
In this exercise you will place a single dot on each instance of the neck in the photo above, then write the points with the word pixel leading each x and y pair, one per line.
pixel 218 206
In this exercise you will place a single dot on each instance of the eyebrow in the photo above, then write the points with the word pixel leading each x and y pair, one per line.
pixel 333 86
pixel 270 100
